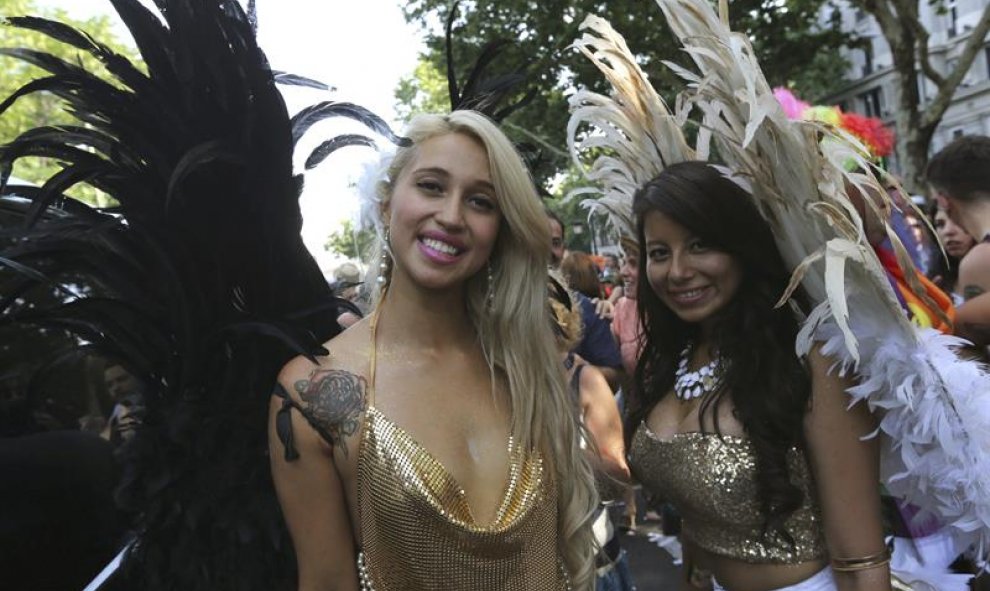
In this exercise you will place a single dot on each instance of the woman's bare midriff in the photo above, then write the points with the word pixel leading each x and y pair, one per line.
pixel 736 575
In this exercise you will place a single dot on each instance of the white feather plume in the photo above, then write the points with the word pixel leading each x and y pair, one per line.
pixel 935 407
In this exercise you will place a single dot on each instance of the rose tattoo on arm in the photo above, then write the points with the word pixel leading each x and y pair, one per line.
pixel 335 400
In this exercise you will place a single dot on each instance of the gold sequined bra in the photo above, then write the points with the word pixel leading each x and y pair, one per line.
pixel 711 480
pixel 418 530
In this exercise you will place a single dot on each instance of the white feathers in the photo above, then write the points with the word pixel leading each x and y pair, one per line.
pixel 935 407
pixel 634 126
pixel 370 189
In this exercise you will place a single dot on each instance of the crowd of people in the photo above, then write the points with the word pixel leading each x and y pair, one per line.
pixel 485 393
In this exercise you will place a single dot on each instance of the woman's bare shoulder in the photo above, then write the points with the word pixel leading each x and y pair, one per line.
pixel 331 390
pixel 346 352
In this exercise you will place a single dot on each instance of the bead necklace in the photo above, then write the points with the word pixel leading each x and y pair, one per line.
pixel 689 385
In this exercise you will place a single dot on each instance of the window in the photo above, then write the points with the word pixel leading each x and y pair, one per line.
pixel 986 58
pixel 868 58
pixel 953 19
pixel 872 102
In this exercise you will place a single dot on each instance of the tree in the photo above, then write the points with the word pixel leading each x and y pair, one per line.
pixel 425 91
pixel 350 243
pixel 901 26
pixel 582 231
pixel 42 108
pixel 788 40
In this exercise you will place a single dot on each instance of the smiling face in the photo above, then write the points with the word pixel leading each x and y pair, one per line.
pixel 443 214
pixel 692 279
pixel 955 240
pixel 630 274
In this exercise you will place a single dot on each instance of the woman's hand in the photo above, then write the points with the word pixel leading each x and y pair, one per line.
pixel 604 308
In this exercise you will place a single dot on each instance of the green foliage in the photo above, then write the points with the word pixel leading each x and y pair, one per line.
pixel 349 243
pixel 39 109
pixel 425 91
pixel 582 232
pixel 790 46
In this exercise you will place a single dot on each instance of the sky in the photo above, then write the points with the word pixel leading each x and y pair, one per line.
pixel 360 47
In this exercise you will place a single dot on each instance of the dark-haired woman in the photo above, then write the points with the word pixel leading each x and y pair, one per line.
pixel 755 447
pixel 956 243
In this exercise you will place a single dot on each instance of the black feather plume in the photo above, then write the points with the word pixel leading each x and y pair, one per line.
pixel 483 92
pixel 198 280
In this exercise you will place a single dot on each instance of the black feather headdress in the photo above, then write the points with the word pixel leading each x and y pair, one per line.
pixel 489 93
pixel 204 288
pixel 486 93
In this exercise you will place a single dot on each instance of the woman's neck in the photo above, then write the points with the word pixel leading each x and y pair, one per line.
pixel 424 319
pixel 702 350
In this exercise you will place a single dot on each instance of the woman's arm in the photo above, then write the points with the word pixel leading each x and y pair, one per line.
pixel 311 495
pixel 846 469
pixel 617 292
pixel 601 418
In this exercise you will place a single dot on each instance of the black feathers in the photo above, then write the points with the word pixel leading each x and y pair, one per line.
pixel 481 92
pixel 199 281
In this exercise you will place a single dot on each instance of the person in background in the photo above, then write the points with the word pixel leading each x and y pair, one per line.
pixel 596 346
pixel 957 243
pixel 581 274
pixel 600 416
pixel 625 318
pixel 557 249
pixel 347 279
pixel 347 284
pixel 128 404
pixel 959 176
pixel 610 274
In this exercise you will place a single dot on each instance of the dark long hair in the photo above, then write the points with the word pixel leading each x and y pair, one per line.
pixel 768 384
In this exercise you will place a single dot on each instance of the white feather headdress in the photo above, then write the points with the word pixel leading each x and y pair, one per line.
pixel 935 407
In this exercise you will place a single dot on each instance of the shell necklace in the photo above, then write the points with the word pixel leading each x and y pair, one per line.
pixel 689 385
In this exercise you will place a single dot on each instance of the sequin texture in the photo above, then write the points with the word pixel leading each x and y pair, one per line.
pixel 418 531
pixel 711 480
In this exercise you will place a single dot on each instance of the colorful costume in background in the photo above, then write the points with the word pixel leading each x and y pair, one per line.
pixel 933 409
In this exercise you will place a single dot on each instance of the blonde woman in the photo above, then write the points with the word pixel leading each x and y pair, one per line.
pixel 435 445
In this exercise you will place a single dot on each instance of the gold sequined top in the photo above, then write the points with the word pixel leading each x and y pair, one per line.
pixel 418 531
pixel 711 480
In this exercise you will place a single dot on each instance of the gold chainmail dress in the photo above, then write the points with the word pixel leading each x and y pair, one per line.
pixel 418 532
pixel 711 480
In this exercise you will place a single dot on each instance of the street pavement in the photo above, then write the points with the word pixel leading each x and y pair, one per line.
pixel 652 567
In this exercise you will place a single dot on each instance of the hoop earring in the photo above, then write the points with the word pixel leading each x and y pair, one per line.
pixel 383 265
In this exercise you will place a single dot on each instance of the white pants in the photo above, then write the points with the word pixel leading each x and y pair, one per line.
pixel 923 563
pixel 820 581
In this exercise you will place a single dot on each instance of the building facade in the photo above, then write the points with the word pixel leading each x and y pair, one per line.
pixel 873 90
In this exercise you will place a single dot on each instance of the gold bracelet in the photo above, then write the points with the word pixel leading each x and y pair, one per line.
pixel 844 565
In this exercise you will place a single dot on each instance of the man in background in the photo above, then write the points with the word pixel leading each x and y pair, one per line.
pixel 960 179
pixel 597 346
pixel 128 404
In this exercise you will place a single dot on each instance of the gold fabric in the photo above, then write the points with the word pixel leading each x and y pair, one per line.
pixel 418 531
pixel 711 480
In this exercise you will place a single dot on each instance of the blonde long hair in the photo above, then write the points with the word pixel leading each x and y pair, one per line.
pixel 515 330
